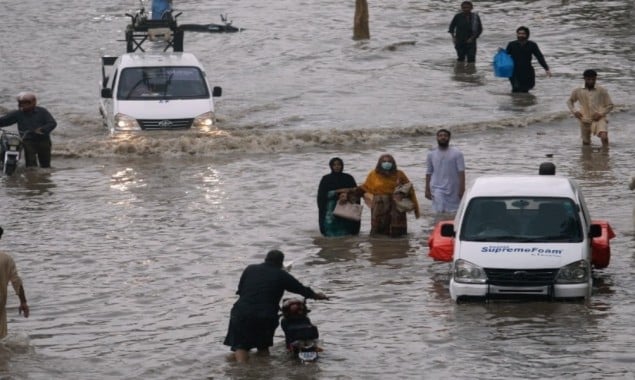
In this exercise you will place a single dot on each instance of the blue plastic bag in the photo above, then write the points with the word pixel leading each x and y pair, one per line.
pixel 503 64
pixel 159 8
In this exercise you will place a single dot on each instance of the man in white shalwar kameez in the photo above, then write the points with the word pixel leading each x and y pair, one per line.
pixel 445 177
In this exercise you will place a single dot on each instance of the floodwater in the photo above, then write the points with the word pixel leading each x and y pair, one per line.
pixel 130 248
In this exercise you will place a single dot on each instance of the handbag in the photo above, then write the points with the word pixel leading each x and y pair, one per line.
pixel 348 210
pixel 404 204
pixel 503 64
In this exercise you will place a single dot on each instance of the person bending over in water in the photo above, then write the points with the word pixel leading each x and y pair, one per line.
pixel 254 317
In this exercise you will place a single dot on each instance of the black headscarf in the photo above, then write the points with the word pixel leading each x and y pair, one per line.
pixel 330 182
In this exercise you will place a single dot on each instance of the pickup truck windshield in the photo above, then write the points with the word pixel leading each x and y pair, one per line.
pixel 522 220
pixel 152 83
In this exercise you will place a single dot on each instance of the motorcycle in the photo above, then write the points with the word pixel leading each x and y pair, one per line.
pixel 301 336
pixel 10 151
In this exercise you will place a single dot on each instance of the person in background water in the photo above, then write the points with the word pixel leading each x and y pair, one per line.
pixel 595 104
pixel 445 176
pixel 335 187
pixel 379 193
pixel 9 273
pixel 524 77
pixel 34 126
pixel 465 28
pixel 254 317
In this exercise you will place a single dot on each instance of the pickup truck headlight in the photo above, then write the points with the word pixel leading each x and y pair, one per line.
pixel 126 123
pixel 574 273
pixel 467 272
pixel 204 121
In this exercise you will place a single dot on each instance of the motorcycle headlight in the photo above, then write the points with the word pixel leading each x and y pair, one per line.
pixel 204 121
pixel 126 123
pixel 467 272
pixel 574 273
pixel 13 142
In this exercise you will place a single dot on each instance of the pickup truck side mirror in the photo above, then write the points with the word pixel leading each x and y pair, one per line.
pixel 106 93
pixel 595 230
pixel 447 230
pixel 217 91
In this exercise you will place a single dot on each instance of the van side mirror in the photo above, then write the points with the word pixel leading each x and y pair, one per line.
pixel 217 91
pixel 447 230
pixel 106 93
pixel 595 231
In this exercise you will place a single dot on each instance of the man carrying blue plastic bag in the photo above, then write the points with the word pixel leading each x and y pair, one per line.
pixel 522 50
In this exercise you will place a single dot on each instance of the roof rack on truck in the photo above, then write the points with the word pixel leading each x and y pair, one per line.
pixel 142 29
pixel 166 29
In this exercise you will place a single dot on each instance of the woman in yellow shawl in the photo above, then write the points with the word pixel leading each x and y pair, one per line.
pixel 388 205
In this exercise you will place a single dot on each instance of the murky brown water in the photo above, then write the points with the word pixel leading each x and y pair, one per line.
pixel 131 249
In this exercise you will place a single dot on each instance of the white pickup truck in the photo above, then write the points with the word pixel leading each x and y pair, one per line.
pixel 156 91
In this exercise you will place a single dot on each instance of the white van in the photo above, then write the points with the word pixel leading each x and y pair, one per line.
pixel 521 236
pixel 156 91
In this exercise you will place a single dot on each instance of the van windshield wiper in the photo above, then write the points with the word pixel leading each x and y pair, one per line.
pixel 168 82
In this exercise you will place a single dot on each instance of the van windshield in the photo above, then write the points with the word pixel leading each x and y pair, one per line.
pixel 525 219
pixel 152 83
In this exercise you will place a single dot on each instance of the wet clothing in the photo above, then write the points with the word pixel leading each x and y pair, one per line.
pixel 386 219
pixel 524 77
pixel 327 198
pixel 444 168
pixel 591 101
pixel 8 273
pixel 37 151
pixel 36 146
pixel 254 317
pixel 463 27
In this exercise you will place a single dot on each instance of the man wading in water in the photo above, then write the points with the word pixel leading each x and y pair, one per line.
pixel 595 104
pixel 524 77
pixel 254 317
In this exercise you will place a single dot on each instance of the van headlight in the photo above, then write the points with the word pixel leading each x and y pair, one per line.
pixel 574 273
pixel 204 121
pixel 126 123
pixel 467 272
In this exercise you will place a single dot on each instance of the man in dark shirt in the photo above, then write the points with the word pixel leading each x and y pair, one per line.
pixel 34 125
pixel 254 317
pixel 524 77
pixel 465 28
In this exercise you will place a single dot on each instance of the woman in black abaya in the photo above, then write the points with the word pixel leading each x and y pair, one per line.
pixel 333 187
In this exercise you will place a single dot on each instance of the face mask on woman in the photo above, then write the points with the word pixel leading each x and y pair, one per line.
pixel 386 165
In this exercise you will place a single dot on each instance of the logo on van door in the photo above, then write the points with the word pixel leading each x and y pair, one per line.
pixel 535 251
